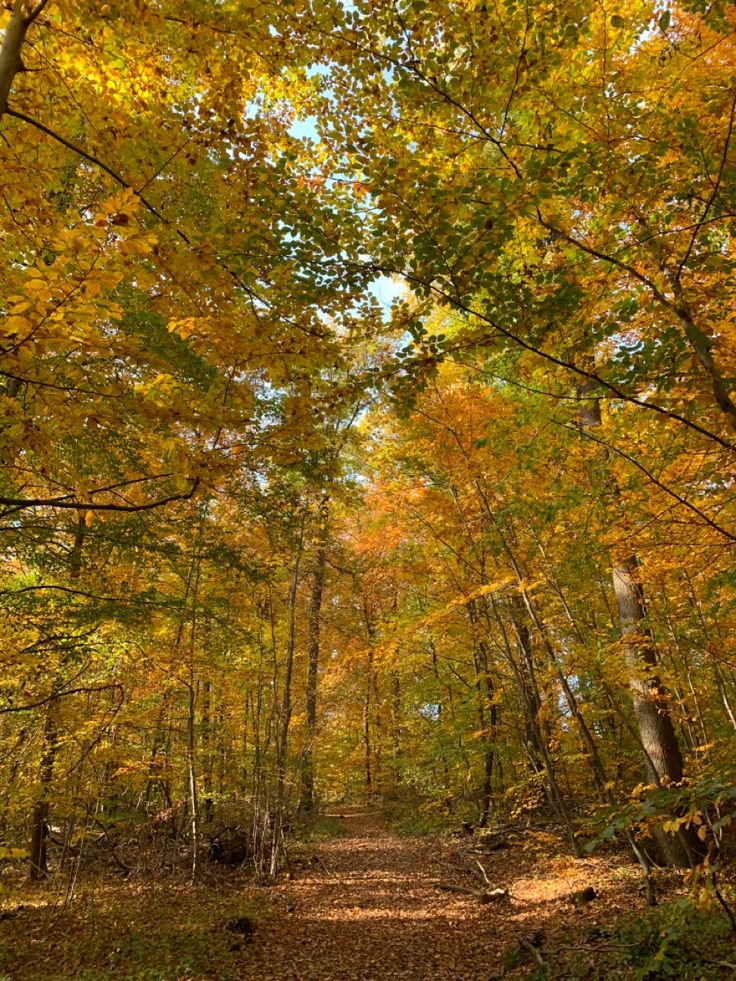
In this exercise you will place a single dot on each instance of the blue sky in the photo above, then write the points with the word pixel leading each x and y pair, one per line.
pixel 383 288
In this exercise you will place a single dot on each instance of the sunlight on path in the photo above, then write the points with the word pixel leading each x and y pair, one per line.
pixel 368 910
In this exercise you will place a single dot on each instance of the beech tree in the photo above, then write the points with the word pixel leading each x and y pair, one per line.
pixel 267 543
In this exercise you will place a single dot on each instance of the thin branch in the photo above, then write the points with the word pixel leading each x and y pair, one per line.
pixel 459 304
pixel 650 476
pixel 90 158
pixel 61 694
pixel 20 504
pixel 716 187
pixel 119 179
pixel 604 257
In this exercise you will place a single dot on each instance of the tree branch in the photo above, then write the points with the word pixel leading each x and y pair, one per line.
pixel 650 476
pixel 119 179
pixel 61 694
pixel 716 187
pixel 20 504
pixel 11 61
pixel 459 304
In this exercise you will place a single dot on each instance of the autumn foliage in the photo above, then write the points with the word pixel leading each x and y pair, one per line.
pixel 271 541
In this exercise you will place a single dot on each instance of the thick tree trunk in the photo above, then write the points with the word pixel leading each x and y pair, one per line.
pixel 662 756
pixel 11 61
pixel 658 740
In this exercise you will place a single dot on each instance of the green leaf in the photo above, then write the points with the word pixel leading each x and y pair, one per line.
pixel 617 21
pixel 664 20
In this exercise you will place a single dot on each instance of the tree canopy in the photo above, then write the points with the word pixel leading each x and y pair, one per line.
pixel 270 540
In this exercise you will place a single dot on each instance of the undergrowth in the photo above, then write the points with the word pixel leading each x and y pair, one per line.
pixel 318 827
pixel 678 940
pixel 418 820
pixel 131 932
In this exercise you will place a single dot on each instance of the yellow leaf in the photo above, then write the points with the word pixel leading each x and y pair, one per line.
pixel 16 325
pixel 89 518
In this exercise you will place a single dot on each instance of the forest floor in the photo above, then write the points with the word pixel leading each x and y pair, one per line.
pixel 362 906
pixel 369 908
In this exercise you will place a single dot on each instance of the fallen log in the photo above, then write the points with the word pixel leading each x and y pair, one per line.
pixel 482 895
pixel 477 871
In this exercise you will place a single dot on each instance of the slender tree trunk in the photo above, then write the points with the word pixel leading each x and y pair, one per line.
pixel 39 820
pixel 523 669
pixel 536 745
pixel 367 734
pixel 717 673
pixel 370 700
pixel 440 714
pixel 313 650
pixel 41 807
pixel 207 755
pixel 286 703
pixel 486 700
pixel 396 729
pixel 494 524
pixel 192 775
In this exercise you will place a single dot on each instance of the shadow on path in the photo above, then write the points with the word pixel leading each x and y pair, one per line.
pixel 369 909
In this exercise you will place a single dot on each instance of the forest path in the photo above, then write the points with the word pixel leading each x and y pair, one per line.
pixel 367 908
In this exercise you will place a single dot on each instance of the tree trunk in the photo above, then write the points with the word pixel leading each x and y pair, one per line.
pixel 39 822
pixel 40 815
pixel 207 755
pixel 192 775
pixel 286 704
pixel 370 745
pixel 658 740
pixel 313 641
pixel 11 61
pixel 486 700
pixel 662 756
pixel 367 737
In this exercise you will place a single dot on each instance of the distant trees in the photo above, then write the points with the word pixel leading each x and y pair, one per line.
pixel 266 543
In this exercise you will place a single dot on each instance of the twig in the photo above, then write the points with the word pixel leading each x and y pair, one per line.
pixel 328 871
pixel 531 949
pixel 481 876
pixel 724 904
pixel 484 874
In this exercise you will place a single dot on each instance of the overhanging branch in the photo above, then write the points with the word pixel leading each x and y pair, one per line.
pixel 22 503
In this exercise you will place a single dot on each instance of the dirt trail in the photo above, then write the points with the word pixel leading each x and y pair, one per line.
pixel 367 909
